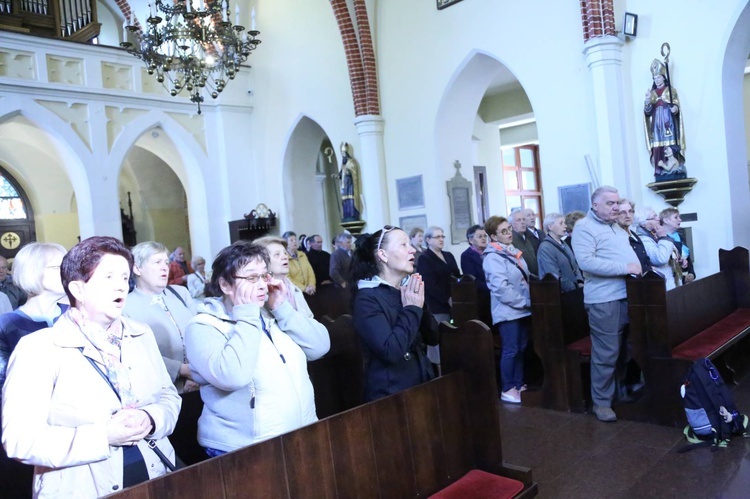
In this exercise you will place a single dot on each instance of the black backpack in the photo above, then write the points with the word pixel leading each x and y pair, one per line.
pixel 710 409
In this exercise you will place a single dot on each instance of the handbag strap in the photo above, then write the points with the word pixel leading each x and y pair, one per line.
pixel 150 441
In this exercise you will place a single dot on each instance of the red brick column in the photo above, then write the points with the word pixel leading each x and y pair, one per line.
pixel 597 18
pixel 360 56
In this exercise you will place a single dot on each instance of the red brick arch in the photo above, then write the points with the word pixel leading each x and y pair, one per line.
pixel 360 56
pixel 597 18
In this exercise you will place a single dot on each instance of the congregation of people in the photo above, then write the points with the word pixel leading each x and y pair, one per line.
pixel 98 343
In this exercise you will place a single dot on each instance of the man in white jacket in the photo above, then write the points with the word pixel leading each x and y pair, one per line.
pixel 604 255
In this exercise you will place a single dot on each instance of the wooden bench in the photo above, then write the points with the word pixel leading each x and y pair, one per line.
pixel 560 334
pixel 411 444
pixel 468 302
pixel 330 301
pixel 706 318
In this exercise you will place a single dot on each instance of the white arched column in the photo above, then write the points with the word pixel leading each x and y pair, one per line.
pixel 372 159
pixel 604 59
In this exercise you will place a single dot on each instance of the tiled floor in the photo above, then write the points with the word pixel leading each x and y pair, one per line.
pixel 576 456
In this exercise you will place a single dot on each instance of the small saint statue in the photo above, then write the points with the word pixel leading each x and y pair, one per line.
pixel 351 206
pixel 663 123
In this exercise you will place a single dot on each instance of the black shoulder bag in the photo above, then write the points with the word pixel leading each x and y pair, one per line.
pixel 151 442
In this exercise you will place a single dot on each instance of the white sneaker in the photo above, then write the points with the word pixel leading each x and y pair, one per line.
pixel 511 396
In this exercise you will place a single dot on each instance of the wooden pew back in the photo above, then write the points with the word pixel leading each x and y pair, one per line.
pixel 338 377
pixel 331 301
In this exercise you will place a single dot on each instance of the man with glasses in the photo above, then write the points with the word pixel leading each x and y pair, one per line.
pixel 471 259
pixel 604 255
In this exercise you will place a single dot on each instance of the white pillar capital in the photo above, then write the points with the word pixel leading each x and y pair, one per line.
pixel 368 124
pixel 605 50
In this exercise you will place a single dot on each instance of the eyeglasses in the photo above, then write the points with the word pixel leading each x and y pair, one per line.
pixel 504 232
pixel 253 278
pixel 383 232
pixel 436 237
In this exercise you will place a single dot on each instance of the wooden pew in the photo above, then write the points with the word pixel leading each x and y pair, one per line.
pixel 331 301
pixel 411 444
pixel 468 303
pixel 560 334
pixel 706 318
pixel 338 377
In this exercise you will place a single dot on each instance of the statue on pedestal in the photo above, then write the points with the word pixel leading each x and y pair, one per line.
pixel 663 124
pixel 351 191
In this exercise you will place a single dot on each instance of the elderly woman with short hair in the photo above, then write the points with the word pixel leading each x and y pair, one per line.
pixel 36 271
pixel 555 257
pixel 88 401
pixel 167 309
pixel 196 282
pixel 300 270
pixel 659 247
pixel 249 349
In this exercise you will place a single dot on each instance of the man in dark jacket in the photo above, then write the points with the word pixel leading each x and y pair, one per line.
pixel 471 259
pixel 341 260
pixel 524 241
pixel 320 260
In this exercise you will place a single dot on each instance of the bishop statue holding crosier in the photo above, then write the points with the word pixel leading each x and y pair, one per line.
pixel 351 205
pixel 663 123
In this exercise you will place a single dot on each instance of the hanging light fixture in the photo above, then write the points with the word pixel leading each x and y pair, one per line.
pixel 192 48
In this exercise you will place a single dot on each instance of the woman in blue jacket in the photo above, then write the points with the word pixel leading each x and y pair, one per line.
pixel 389 313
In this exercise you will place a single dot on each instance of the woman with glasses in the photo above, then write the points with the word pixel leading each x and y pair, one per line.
pixel 36 271
pixel 167 309
pixel 508 279
pixel 249 351
pixel 389 313
pixel 625 220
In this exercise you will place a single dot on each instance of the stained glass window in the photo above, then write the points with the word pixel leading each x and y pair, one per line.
pixel 11 204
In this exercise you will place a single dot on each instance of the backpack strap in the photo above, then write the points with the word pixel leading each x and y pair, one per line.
pixel 514 262
pixel 177 295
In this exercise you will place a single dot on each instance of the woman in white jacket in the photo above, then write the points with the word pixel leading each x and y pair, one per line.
pixel 82 398
pixel 249 349
pixel 507 278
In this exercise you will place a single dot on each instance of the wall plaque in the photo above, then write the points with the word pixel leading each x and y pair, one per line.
pixel 408 223
pixel 459 193
pixel 410 192
pixel 574 198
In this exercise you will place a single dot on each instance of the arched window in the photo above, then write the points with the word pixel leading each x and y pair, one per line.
pixel 12 205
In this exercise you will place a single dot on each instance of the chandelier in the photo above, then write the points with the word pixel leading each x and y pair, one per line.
pixel 192 47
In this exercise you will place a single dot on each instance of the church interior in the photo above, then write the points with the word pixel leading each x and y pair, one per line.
pixel 453 110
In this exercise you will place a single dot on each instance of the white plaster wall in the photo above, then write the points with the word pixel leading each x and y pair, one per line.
pixel 421 50
pixel 299 70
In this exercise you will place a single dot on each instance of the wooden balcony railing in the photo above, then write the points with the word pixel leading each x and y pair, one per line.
pixel 69 19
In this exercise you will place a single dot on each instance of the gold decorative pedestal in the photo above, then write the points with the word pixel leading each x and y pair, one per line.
pixel 354 227
pixel 673 191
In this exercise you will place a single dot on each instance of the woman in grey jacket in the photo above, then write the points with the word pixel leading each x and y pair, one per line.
pixel 507 278
pixel 248 350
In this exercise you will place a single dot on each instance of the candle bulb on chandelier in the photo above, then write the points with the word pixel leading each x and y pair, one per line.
pixel 252 19
pixel 188 5
pixel 225 8
pixel 237 15
pixel 124 31
pixel 200 5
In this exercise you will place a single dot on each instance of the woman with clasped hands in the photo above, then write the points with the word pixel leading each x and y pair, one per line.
pixel 389 313
pixel 82 396
pixel 248 350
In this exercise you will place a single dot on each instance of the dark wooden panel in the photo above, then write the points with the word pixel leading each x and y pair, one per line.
pixel 184 438
pixel 242 468
pixel 455 426
pixel 425 436
pixel 354 454
pixel 338 377
pixel 196 482
pixel 393 456
pixel 331 301
pixel 307 455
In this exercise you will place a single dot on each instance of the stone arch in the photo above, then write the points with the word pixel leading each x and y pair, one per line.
pixel 185 158
pixel 305 164
pixel 456 116
pixel 734 60
pixel 70 149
